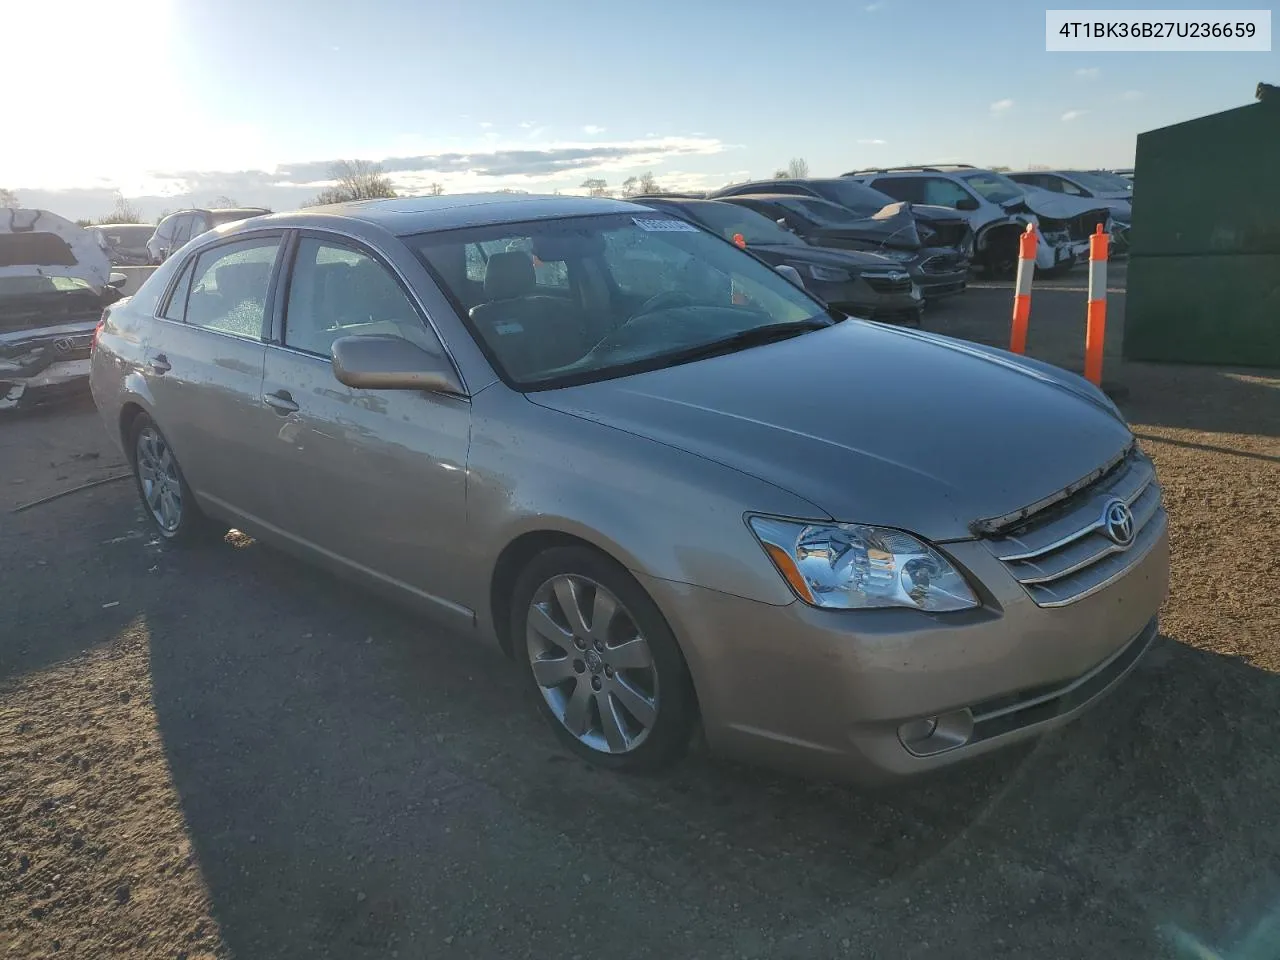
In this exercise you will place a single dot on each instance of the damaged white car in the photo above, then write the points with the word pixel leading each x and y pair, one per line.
pixel 55 281
pixel 999 210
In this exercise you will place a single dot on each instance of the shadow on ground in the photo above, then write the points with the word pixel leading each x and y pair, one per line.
pixel 356 784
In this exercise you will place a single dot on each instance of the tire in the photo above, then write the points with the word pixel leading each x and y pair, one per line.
pixel 166 499
pixel 619 695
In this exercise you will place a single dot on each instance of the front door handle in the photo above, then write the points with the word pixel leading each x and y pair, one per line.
pixel 160 365
pixel 281 402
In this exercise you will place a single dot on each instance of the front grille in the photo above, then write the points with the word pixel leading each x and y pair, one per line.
pixel 942 263
pixel 1062 554
pixel 885 285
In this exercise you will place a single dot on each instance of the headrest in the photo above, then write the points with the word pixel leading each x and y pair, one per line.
pixel 242 281
pixel 508 275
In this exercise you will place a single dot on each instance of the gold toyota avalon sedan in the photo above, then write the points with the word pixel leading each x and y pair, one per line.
pixel 659 475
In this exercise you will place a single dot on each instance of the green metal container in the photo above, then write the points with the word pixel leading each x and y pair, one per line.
pixel 1204 267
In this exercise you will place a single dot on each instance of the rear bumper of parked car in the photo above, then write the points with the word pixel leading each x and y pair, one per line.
pixel 45 364
pixel 840 694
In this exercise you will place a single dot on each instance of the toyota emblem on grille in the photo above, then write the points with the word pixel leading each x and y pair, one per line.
pixel 1117 521
pixel 64 345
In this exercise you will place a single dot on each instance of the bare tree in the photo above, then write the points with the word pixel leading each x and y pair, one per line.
pixel 434 189
pixel 224 201
pixel 999 169
pixel 648 184
pixel 356 180
pixel 596 187
pixel 797 169
pixel 8 198
pixel 122 212
pixel 630 186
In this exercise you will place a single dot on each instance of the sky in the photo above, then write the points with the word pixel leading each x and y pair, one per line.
pixel 175 103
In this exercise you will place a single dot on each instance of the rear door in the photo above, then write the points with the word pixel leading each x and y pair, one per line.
pixel 204 368
pixel 372 479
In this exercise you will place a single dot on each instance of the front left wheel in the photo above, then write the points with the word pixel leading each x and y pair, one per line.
pixel 608 673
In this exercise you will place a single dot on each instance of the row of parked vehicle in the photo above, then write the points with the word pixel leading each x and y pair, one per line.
pixel 141 244
pixel 882 242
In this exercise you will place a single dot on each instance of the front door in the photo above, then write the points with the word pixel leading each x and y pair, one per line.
pixel 373 479
pixel 204 365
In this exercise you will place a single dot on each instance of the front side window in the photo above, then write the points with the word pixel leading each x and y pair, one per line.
pixel 941 192
pixel 339 291
pixel 181 230
pixel 993 186
pixel 229 287
pixel 644 292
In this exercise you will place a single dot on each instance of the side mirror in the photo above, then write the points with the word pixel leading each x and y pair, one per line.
pixel 791 273
pixel 966 203
pixel 118 280
pixel 380 362
pixel 782 222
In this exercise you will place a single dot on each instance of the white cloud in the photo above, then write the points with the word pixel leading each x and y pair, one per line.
pixel 485 124
pixel 874 143
pixel 526 124
pixel 1073 115
pixel 592 129
pixel 1001 106
pixel 478 164
pixel 1133 95
pixel 873 7
pixel 1088 73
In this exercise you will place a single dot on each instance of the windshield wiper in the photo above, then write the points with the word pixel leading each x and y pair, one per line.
pixel 756 336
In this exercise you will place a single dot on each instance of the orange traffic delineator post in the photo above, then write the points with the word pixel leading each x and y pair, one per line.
pixel 1096 326
pixel 1022 289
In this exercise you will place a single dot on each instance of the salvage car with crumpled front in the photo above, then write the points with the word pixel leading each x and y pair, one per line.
pixel 55 281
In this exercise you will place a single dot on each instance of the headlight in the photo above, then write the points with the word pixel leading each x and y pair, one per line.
pixel 829 274
pixel 850 566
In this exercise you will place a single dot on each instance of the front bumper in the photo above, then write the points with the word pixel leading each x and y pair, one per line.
pixel 828 693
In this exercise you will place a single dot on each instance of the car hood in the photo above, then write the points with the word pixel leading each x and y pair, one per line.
pixel 873 424
pixel 828 256
pixel 1054 206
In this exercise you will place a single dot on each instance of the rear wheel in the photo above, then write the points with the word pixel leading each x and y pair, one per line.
pixel 606 669
pixel 166 498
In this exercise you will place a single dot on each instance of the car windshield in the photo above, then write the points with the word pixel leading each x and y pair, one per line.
pixel 993 186
pixel 730 220
pixel 577 299
pixel 1106 182
pixel 856 196
pixel 127 236
pixel 824 213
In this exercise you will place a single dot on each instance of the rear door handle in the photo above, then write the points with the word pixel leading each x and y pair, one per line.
pixel 281 402
pixel 160 365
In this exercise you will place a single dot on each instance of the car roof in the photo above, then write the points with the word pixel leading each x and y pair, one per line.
pixel 405 216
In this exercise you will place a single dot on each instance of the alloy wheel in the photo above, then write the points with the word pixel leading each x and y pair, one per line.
pixel 592 664
pixel 159 479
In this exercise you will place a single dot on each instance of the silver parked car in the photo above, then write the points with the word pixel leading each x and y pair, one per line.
pixel 652 470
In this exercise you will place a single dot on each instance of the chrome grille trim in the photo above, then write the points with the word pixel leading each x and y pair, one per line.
pixel 1062 554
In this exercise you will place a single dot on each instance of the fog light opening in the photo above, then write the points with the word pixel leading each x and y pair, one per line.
pixel 927 736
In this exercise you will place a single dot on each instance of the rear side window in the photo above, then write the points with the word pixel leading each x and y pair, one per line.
pixel 178 299
pixel 902 188
pixel 229 287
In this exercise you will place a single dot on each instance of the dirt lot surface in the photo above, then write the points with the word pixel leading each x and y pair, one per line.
pixel 222 753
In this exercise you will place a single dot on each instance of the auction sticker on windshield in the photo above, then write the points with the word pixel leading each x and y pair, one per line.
pixel 664 226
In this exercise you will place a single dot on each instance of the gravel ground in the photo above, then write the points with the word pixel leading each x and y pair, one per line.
pixel 223 753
